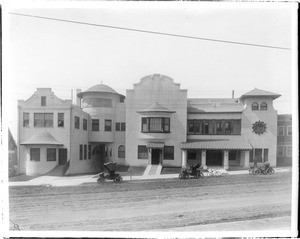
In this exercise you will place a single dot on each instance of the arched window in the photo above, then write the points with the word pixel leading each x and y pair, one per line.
pixel 263 106
pixel 121 151
pixel 255 106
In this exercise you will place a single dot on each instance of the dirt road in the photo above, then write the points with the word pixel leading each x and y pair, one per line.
pixel 198 204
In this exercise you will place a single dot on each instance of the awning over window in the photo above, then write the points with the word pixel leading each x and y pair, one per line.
pixel 41 138
pixel 156 108
pixel 155 145
pixel 238 144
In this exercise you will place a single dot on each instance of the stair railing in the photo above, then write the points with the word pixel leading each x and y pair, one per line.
pixel 66 167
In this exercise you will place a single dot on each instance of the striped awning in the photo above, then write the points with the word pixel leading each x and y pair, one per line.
pixel 238 144
pixel 155 145
pixel 42 138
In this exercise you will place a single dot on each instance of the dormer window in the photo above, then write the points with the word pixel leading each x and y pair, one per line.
pixel 43 101
pixel 263 106
pixel 255 106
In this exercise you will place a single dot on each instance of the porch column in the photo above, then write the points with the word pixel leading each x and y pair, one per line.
pixel 161 157
pixel 246 159
pixel 149 156
pixel 203 158
pixel 225 159
pixel 183 158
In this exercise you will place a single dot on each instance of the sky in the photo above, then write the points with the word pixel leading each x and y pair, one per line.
pixel 65 56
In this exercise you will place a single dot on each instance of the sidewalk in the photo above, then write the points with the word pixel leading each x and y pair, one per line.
pixel 57 181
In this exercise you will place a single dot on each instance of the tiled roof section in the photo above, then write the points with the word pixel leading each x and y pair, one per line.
pixel 101 88
pixel 211 105
pixel 41 138
pixel 156 107
pixel 155 145
pixel 11 141
pixel 257 92
pixel 233 144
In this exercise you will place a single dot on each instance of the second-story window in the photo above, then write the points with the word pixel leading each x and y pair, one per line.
pixel 155 124
pixel 84 126
pixel 77 122
pixel 214 127
pixel 60 120
pixel 120 126
pixel 289 130
pixel 107 126
pixel 43 101
pixel 254 106
pixel 263 106
pixel 25 119
pixel 280 130
pixel 43 120
pixel 95 124
pixel 123 126
pixel 227 128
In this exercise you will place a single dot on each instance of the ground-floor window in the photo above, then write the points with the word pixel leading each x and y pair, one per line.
pixel 280 151
pixel 35 154
pixel 289 151
pixel 80 152
pixel 142 152
pixel 121 151
pixel 85 151
pixel 169 152
pixel 259 155
pixel 51 154
pixel 89 151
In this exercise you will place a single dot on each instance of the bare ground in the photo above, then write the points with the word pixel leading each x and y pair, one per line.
pixel 244 201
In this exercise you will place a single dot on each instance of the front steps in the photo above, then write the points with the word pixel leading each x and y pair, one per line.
pixel 57 171
pixel 153 170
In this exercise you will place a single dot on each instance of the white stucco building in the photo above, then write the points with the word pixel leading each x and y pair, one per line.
pixel 155 124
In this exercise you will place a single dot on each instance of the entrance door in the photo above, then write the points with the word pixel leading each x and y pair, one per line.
pixel 155 156
pixel 214 157
pixel 62 156
pixel 99 156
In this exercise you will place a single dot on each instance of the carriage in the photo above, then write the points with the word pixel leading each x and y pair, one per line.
pixel 109 174
pixel 194 171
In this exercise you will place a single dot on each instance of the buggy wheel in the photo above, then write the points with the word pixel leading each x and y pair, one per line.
pixel 197 175
pixel 185 176
pixel 201 175
pixel 100 180
pixel 270 171
pixel 118 179
pixel 256 171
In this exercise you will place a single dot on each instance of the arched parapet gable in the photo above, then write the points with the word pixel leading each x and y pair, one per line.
pixel 157 80
pixel 50 98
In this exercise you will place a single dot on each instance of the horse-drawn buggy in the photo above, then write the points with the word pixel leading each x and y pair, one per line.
pixel 263 170
pixel 194 171
pixel 109 174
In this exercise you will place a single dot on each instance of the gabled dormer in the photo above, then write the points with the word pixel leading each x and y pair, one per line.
pixel 258 100
pixel 42 98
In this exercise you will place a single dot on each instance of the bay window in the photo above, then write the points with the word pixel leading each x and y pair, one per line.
pixel 155 124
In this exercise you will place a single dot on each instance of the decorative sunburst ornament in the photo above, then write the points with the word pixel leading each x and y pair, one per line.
pixel 259 127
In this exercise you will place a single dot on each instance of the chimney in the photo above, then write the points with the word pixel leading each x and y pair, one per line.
pixel 78 100
pixel 232 94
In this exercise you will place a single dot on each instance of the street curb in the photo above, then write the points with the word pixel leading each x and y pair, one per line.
pixel 75 181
